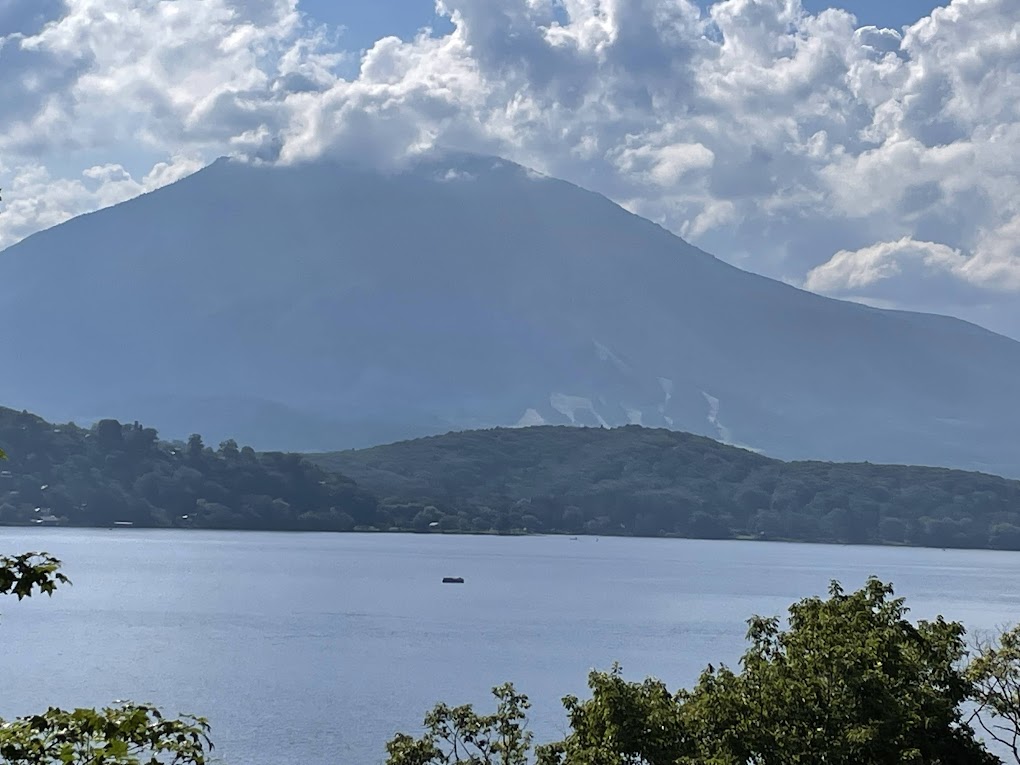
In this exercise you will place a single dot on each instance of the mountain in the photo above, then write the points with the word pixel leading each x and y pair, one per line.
pixel 327 306
pixel 655 482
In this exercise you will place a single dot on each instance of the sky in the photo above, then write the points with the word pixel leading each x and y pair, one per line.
pixel 365 22
pixel 867 151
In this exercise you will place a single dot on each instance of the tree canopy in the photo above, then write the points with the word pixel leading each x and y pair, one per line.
pixel 995 678
pixel 117 472
pixel 646 482
pixel 129 734
pixel 844 680
pixel 633 481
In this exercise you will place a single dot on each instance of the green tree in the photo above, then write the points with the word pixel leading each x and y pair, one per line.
pixel 195 447
pixel 995 675
pixel 109 434
pixel 850 677
pixel 116 473
pixel 131 734
pixel 460 736
pixel 229 450
pixel 623 723
pixel 849 681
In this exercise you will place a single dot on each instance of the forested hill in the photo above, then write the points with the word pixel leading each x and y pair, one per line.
pixel 661 482
pixel 123 473
pixel 627 480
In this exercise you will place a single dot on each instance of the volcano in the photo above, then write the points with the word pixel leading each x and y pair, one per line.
pixel 325 306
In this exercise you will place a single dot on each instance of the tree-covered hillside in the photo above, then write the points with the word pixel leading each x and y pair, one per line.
pixel 635 480
pixel 123 473
pixel 547 479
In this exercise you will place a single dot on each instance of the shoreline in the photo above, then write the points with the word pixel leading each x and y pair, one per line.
pixel 508 534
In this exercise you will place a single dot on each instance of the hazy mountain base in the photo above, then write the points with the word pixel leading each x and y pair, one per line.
pixel 322 306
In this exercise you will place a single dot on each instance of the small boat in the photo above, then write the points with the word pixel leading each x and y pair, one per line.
pixel 453 580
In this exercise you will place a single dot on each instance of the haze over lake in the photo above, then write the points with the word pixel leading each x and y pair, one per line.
pixel 316 648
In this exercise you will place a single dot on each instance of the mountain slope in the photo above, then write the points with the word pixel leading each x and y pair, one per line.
pixel 644 481
pixel 322 306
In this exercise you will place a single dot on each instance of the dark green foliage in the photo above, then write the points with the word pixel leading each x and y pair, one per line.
pixel 623 723
pixel 21 575
pixel 850 677
pixel 130 734
pixel 849 680
pixel 460 736
pixel 124 473
pixel 648 482
pixel 631 480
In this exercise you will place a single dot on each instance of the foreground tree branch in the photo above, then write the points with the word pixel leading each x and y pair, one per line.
pixel 123 735
pixel 995 676
pixel 21 575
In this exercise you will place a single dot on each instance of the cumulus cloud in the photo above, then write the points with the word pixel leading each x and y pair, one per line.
pixel 904 272
pixel 922 272
pixel 35 199
pixel 872 163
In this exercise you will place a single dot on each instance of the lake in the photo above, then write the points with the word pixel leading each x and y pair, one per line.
pixel 316 648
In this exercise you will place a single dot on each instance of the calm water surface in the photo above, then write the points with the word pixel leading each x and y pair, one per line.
pixel 316 648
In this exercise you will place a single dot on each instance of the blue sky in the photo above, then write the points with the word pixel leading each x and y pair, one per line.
pixel 365 21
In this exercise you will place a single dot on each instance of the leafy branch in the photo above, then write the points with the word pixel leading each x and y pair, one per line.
pixel 21 575
pixel 123 735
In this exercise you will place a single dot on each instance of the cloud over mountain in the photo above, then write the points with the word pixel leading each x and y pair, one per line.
pixel 877 163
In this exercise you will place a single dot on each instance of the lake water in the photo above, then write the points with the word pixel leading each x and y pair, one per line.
pixel 316 648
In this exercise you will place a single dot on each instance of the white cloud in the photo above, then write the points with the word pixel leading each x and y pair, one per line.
pixel 769 135
pixel 665 165
pixel 996 260
pixel 35 200
pixel 905 270
pixel 923 275
pixel 857 271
